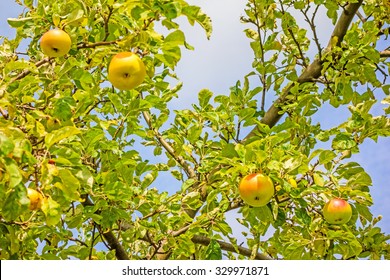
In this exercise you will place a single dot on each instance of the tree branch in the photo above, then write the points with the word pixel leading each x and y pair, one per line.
pixel 106 20
pixel 27 72
pixel 385 31
pixel 120 252
pixel 171 151
pixel 112 241
pixel 190 172
pixel 3 113
pixel 385 53
pixel 313 71
pixel 94 45
pixel 205 241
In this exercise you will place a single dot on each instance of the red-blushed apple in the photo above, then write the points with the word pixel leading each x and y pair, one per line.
pixel 55 43
pixel 256 189
pixel 337 211
pixel 126 71
pixel 35 198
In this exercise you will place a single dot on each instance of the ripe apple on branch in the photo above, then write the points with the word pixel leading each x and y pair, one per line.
pixel 55 43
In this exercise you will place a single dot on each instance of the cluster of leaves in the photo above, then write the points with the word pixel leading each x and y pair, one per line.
pixel 84 145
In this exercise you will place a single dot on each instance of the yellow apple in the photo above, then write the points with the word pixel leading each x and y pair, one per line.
pixel 256 189
pixel 55 43
pixel 35 199
pixel 126 71
pixel 337 211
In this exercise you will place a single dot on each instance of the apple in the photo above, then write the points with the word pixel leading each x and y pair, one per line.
pixel 337 211
pixel 55 43
pixel 126 71
pixel 35 199
pixel 256 189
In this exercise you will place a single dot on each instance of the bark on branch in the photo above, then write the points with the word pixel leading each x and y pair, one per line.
pixel 170 150
pixel 114 244
pixel 24 73
pixel 112 241
pixel 203 240
pixel 385 53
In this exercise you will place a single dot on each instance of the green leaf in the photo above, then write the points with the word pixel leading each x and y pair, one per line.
pixel 19 22
pixel 15 203
pixel 176 38
pixel 6 145
pixel 275 210
pixel 293 163
pixel 188 183
pixel 213 251
pixel 172 9
pixel 192 200
pixel 364 212
pixel 195 14
pixel 85 176
pixel 299 5
pixel 386 89
pixel 326 156
pixel 75 221
pixel 223 227
pixel 204 97
pixel 29 3
pixel 63 108
pixel 75 17
pixel 318 179
pixel 194 133
pixel 70 184
pixel 295 251
pixel 52 211
pixel 361 179
pixel 229 151
pixel 303 216
pixel 148 179
pixel 60 134
pixel 263 213
pixel 246 114
pixel 15 176
pixel 343 141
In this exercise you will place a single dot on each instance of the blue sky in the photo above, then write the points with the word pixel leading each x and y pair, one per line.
pixel 218 63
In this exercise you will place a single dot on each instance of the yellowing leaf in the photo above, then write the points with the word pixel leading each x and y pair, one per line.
pixel 52 211
pixel 60 134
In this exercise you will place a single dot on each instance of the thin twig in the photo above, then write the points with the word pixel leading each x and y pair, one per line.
pixel 3 113
pixel 92 241
pixel 27 71
pixel 361 17
pixel 171 151
pixel 263 77
pixel 106 20
pixel 85 45
pixel 312 25
pixel 71 238
pixel 385 31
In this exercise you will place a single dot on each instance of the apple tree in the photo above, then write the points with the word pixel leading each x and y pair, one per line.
pixel 101 157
